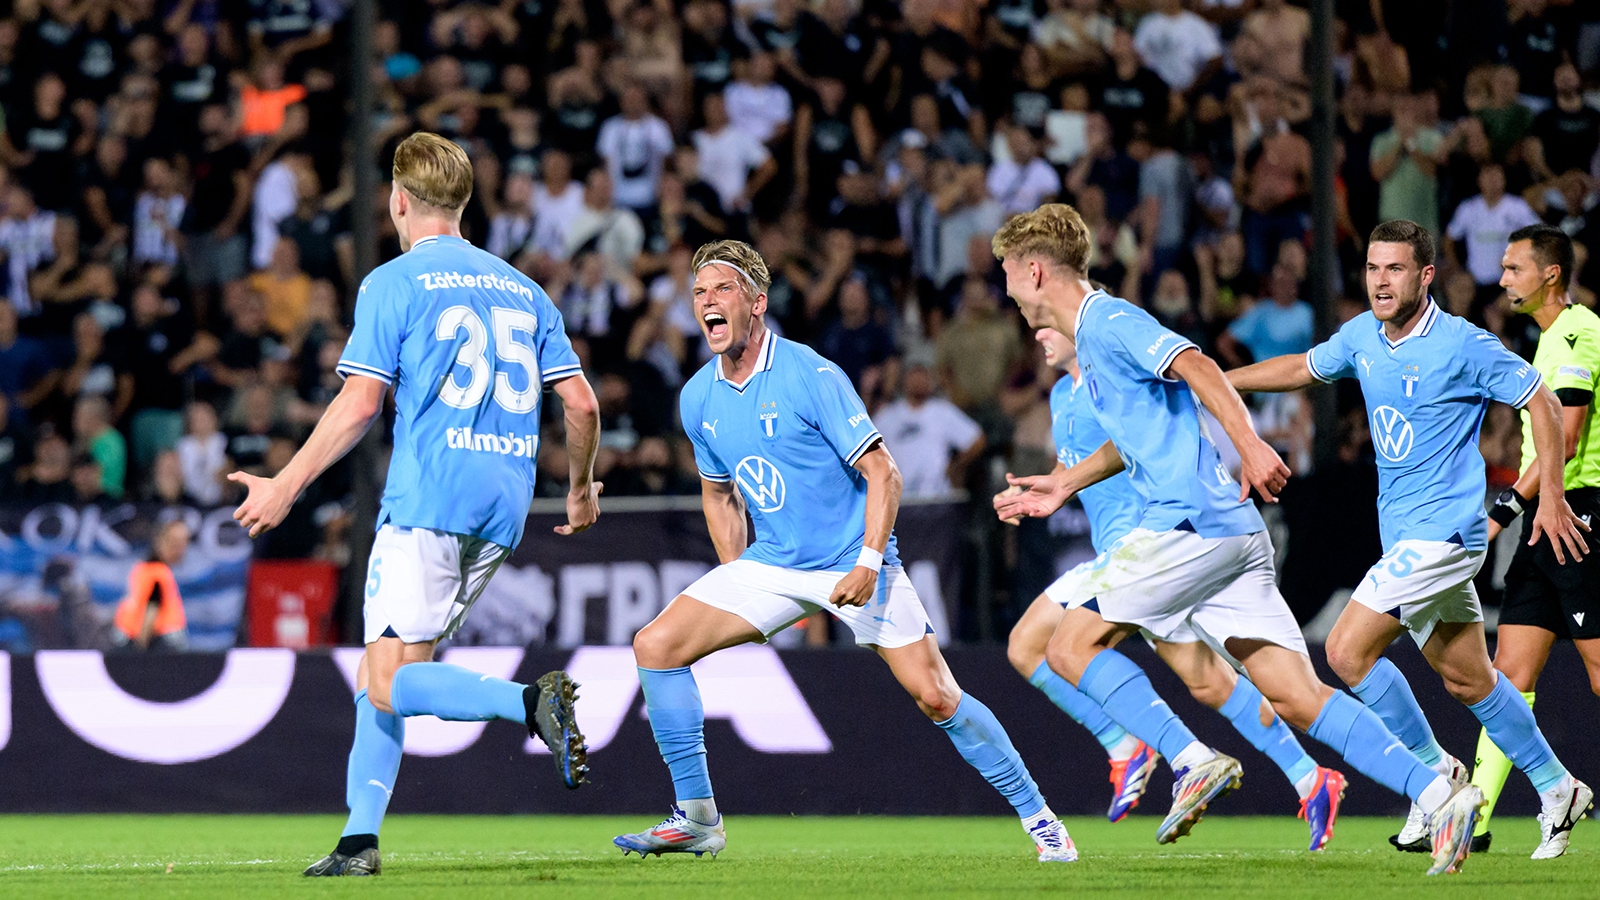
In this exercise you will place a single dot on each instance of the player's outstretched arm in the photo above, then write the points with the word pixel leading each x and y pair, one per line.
pixel 347 419
pixel 884 485
pixel 1038 496
pixel 1260 468
pixel 582 412
pixel 1276 375
pixel 1555 518
pixel 724 509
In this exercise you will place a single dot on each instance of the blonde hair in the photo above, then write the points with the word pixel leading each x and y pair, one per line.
pixel 1054 232
pixel 434 170
pixel 740 256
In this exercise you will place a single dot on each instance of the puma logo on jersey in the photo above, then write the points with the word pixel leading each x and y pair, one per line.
pixel 1120 312
pixel 710 426
pixel 1367 364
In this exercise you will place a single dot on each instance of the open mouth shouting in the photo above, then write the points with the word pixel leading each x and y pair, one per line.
pixel 716 325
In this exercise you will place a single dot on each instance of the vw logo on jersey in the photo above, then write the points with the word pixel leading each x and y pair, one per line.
pixel 762 483
pixel 1391 433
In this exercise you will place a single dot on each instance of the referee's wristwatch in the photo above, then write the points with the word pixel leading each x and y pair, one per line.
pixel 1507 507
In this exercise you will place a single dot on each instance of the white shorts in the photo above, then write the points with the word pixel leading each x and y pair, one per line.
pixel 1423 583
pixel 772 598
pixel 1181 588
pixel 421 582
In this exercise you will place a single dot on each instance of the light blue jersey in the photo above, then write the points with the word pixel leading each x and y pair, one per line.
pixel 795 423
pixel 469 344
pixel 1124 354
pixel 1426 396
pixel 1113 505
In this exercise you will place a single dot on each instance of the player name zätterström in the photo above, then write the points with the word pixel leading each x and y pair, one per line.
pixel 463 438
pixel 434 281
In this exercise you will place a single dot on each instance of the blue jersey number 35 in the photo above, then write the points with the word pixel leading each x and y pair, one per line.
pixel 474 356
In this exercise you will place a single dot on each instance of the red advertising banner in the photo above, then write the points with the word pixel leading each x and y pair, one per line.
pixel 290 603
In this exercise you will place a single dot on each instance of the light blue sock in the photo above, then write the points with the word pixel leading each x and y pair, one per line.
pixel 983 742
pixel 678 719
pixel 1359 736
pixel 1510 723
pixel 374 763
pixel 1386 692
pixel 453 693
pixel 1243 709
pixel 1076 704
pixel 1123 690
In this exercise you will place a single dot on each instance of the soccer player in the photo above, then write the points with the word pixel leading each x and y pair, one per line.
pixel 1545 600
pixel 1428 377
pixel 1114 508
pixel 1200 557
pixel 778 430
pixel 469 344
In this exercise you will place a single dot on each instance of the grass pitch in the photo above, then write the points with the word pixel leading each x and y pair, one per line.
pixel 240 857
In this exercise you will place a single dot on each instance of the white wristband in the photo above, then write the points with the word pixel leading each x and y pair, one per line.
pixel 870 559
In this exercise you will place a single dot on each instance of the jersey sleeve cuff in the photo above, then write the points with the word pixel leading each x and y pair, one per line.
pixel 1311 367
pixel 1166 361
pixel 560 372
pixel 720 479
pixel 1528 394
pixel 863 447
pixel 348 368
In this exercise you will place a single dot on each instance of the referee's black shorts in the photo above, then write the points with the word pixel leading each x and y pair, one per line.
pixel 1564 599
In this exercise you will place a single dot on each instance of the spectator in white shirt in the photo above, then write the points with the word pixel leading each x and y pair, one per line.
pixel 1025 180
pixel 557 200
pixel 733 162
pixel 156 214
pixel 932 440
pixel 758 105
pixel 203 454
pixel 1485 222
pixel 634 145
pixel 1177 44
pixel 615 233
pixel 276 196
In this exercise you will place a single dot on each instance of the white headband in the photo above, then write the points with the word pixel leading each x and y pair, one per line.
pixel 723 262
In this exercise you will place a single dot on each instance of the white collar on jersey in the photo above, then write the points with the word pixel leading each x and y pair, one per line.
pixel 763 361
pixel 1084 306
pixel 1430 314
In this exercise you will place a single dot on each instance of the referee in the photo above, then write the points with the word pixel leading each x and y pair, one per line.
pixel 1545 600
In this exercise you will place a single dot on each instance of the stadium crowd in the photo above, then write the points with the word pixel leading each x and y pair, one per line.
pixel 176 200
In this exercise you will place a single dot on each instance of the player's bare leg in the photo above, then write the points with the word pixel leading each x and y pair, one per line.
pixel 684 633
pixel 982 741
pixel 1132 760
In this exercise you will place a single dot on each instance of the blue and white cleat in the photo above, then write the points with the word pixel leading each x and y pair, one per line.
pixel 1321 809
pixel 1196 787
pixel 1451 828
pixel 678 834
pixel 1129 778
pixel 1052 840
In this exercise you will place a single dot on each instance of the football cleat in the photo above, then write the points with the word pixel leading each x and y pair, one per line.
pixel 678 834
pixel 549 705
pixel 1129 778
pixel 1450 828
pixel 1052 840
pixel 334 864
pixel 1555 823
pixel 1321 809
pixel 1480 842
pixel 1413 838
pixel 1196 787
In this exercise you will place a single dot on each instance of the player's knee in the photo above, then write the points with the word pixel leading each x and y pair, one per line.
pixel 1210 693
pixel 651 647
pixel 1025 657
pixel 1468 685
pixel 938 701
pixel 1350 662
